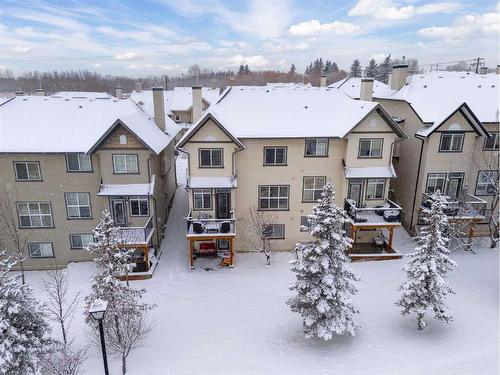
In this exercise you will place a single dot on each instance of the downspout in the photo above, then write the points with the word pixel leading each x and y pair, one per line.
pixel 416 183
pixel 155 212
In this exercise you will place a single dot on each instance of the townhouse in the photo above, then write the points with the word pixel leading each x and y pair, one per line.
pixel 268 151
pixel 67 157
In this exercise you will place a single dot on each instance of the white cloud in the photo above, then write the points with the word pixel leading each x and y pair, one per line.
pixel 126 56
pixel 470 25
pixel 314 27
pixel 97 65
pixel 389 10
pixel 150 68
pixel 17 49
pixel 254 62
pixel 233 44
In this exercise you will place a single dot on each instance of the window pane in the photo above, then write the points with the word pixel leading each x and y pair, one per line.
pixel 283 203
pixel 36 221
pixel 280 155
pixel 264 191
pixel 322 147
pixel 144 207
pixel 72 198
pixel 33 171
pixel 216 158
pixel 47 221
pixel 284 191
pixel 25 221
pixel 22 208
pixel 376 150
pixel 85 211
pixel 73 212
pixel 205 157
pixel 310 147
pixel 83 199
pixel 308 195
pixel 457 142
pixel 132 166
pixel 308 183
pixel 273 191
pixel 269 156
pixel 34 208
pixel 46 250
pixel 264 203
pixel 85 164
pixel 34 249
pixel 72 162
pixel 22 171
pixel 446 142
pixel 87 239
pixel 134 207
pixel 45 208
pixel 364 148
pixel 76 241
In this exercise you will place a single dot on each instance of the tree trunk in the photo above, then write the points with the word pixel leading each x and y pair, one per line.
pixel 124 365
pixel 21 263
pixel 420 321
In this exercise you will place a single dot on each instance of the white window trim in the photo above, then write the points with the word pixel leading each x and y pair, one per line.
pixel 496 142
pixel 30 215
pixel 453 135
pixel 126 163
pixel 435 176
pixel 275 148
pixel 202 193
pixel 485 184
pixel 30 244
pixel 78 205
pixel 317 140
pixel 277 198
pixel 371 148
pixel 211 152
pixel 79 163
pixel 81 236
pixel 315 187
pixel 282 230
pixel 139 199
pixel 375 182
pixel 25 163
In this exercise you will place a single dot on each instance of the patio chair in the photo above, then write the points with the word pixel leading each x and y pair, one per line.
pixel 198 227
pixel 391 216
pixel 225 227
pixel 382 207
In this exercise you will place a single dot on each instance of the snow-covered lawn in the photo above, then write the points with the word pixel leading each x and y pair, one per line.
pixel 236 321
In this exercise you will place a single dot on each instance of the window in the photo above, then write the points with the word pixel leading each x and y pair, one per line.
pixel 370 148
pixel 304 224
pixel 177 118
pixel 80 241
pixel 78 205
pixel 40 250
pixel 435 181
pixel 273 197
pixel 274 231
pixel 312 188
pixel 451 142
pixel 78 163
pixel 125 163
pixel 27 171
pixel 202 199
pixel 210 157
pixel 123 139
pixel 317 147
pixel 139 206
pixel 491 143
pixel 35 214
pixel 375 188
pixel 275 155
pixel 487 182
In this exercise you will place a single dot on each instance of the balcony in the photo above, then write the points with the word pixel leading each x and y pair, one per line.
pixel 386 214
pixel 470 208
pixel 137 236
pixel 204 226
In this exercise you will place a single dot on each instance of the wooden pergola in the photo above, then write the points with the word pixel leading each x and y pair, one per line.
pixel 193 238
pixel 389 226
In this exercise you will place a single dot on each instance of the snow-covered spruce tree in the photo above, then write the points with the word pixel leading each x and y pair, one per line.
pixel 427 268
pixel 124 322
pixel 325 282
pixel 23 329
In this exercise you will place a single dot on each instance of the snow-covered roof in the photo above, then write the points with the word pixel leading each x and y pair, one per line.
pixel 81 95
pixel 435 95
pixel 144 100
pixel 182 97
pixel 352 87
pixel 35 124
pixel 263 112
pixel 127 189
pixel 211 182
pixel 370 172
pixel 287 84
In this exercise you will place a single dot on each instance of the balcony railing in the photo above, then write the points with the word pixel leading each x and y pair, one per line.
pixel 386 213
pixel 137 235
pixel 206 226
pixel 471 207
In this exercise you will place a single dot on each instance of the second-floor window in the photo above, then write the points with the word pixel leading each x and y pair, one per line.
pixel 375 188
pixel 211 158
pixel 78 205
pixel 40 250
pixel 80 241
pixel 313 186
pixel 492 143
pixel 273 197
pixel 35 214
pixel 487 183
pixel 202 199
pixel 370 147
pixel 304 224
pixel 124 164
pixel 451 142
pixel 27 171
pixel 78 163
pixel 435 182
pixel 275 155
pixel 316 147
pixel 139 206
pixel 274 231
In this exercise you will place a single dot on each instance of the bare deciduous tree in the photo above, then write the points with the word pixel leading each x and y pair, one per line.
pixel 64 360
pixel 16 244
pixel 258 231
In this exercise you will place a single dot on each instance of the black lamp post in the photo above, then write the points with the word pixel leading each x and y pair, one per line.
pixel 97 310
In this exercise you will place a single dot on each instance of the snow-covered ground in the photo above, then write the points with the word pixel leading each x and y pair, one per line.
pixel 235 321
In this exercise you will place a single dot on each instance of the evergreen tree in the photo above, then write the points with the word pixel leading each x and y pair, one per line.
pixel 247 70
pixel 241 70
pixel 356 69
pixel 384 69
pixel 426 271
pixel 324 282
pixel 371 69
pixel 125 313
pixel 23 329
pixel 293 68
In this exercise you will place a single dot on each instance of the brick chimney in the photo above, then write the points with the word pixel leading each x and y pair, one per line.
pixel 119 92
pixel 197 104
pixel 159 107
pixel 322 81
pixel 138 86
pixel 40 92
pixel 399 75
pixel 366 89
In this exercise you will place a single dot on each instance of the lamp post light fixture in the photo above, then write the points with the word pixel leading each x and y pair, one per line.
pixel 97 310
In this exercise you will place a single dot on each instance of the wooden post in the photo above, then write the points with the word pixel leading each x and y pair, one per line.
pixel 353 237
pixel 191 260
pixel 389 244
pixel 231 252
pixel 146 256
pixel 471 234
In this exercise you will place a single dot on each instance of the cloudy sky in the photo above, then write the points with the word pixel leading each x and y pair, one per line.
pixel 166 36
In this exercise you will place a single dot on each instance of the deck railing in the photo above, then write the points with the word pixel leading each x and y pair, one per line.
pixel 206 225
pixel 470 207
pixel 388 212
pixel 137 235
